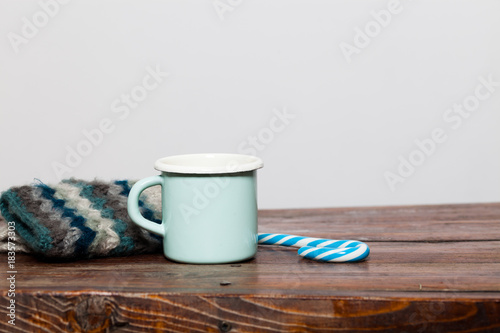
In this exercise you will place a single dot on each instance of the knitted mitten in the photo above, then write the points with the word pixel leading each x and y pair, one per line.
pixel 77 219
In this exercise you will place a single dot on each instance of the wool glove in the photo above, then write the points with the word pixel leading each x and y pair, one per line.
pixel 77 219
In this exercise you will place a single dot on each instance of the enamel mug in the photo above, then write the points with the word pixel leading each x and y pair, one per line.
pixel 209 207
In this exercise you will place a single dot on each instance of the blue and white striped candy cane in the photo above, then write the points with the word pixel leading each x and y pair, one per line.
pixel 321 249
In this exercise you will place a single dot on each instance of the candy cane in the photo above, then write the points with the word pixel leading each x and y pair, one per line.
pixel 321 249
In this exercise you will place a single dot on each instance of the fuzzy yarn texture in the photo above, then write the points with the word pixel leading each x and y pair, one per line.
pixel 77 219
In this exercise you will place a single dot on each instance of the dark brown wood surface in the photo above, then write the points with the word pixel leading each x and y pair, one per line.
pixel 431 269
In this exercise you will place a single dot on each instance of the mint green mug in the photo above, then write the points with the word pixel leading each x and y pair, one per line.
pixel 209 207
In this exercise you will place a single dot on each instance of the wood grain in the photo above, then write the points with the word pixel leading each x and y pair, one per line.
pixel 81 312
pixel 445 282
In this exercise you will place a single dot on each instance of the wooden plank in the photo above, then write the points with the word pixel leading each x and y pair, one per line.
pixel 136 312
pixel 280 270
pixel 442 283
pixel 404 223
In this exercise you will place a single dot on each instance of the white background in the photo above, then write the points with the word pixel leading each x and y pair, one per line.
pixel 352 120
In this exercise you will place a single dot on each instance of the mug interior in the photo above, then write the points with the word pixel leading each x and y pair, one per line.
pixel 208 163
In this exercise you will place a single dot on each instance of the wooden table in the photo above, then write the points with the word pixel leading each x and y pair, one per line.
pixel 431 269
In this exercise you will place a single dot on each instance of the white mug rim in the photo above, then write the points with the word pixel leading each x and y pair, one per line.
pixel 208 163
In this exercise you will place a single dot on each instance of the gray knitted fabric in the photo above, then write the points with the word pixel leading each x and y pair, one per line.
pixel 77 219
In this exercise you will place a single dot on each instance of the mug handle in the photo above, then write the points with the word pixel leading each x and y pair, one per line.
pixel 133 205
